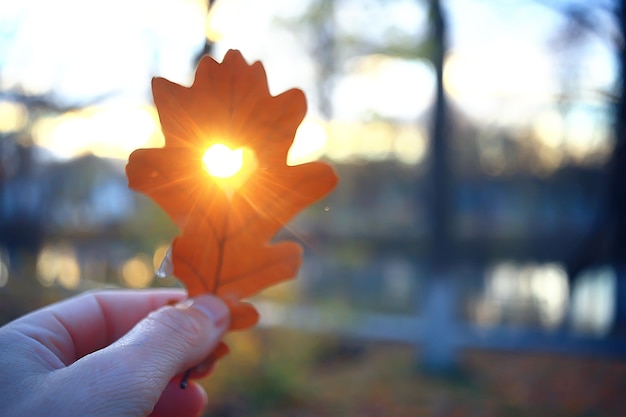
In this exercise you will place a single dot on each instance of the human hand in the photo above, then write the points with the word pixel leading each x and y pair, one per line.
pixel 110 353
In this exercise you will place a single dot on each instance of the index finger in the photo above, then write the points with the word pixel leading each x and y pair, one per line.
pixel 80 325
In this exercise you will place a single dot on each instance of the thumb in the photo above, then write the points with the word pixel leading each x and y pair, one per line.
pixel 134 371
pixel 173 339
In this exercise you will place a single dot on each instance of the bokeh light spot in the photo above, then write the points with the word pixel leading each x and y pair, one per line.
pixel 13 116
pixel 58 264
pixel 137 272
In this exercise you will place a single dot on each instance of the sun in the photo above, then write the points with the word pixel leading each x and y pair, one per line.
pixel 222 162
pixel 229 168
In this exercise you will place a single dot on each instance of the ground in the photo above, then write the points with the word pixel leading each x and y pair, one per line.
pixel 286 373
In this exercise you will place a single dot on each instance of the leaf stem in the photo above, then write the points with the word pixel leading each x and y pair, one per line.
pixel 185 380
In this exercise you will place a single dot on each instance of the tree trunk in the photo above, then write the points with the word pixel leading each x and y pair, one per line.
pixel 618 189
pixel 439 349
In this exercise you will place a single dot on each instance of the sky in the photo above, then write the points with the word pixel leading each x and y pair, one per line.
pixel 85 49
pixel 500 70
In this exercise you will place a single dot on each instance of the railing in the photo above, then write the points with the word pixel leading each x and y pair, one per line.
pixel 438 333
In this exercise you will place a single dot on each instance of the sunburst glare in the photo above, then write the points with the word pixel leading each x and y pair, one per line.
pixel 222 162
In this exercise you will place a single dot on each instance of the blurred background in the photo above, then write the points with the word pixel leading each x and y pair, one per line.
pixel 472 261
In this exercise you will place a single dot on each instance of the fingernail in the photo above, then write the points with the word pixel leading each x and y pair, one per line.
pixel 210 306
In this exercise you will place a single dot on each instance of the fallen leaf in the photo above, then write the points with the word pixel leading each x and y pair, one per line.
pixel 229 214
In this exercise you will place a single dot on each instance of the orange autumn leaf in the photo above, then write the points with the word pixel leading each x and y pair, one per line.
pixel 228 214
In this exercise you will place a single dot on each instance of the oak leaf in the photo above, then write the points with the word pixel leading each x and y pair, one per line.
pixel 228 221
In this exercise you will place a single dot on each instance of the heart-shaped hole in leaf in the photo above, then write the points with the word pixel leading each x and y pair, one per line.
pixel 229 168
